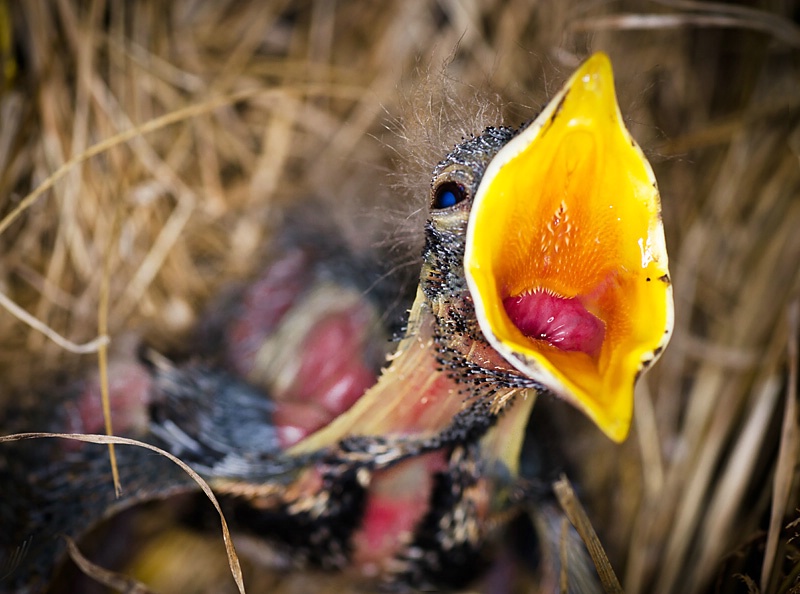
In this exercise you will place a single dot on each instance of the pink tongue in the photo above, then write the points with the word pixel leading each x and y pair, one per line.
pixel 562 323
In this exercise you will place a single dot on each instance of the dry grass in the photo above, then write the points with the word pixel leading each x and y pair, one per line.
pixel 212 116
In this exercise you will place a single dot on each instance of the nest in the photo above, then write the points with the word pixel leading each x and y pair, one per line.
pixel 149 149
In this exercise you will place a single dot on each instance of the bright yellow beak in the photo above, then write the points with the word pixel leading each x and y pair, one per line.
pixel 565 254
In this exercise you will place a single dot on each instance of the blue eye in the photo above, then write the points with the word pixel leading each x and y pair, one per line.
pixel 448 194
pixel 445 199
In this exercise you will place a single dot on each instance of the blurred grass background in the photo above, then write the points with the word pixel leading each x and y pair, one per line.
pixel 270 102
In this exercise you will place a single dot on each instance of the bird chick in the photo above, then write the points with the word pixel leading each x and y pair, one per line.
pixel 544 271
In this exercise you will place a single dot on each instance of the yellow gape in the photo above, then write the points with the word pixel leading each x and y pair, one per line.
pixel 565 254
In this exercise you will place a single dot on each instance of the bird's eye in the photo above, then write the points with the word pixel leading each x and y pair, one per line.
pixel 448 194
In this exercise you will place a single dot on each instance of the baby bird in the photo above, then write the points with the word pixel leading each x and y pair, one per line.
pixel 544 270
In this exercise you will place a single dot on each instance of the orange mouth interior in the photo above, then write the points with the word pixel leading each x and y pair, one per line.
pixel 575 254
pixel 566 252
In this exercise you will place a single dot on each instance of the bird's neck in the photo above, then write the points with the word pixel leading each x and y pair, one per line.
pixel 432 378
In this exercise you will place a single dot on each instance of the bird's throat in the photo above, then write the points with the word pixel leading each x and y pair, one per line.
pixel 416 394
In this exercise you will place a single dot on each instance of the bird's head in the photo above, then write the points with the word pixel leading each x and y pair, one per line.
pixel 546 245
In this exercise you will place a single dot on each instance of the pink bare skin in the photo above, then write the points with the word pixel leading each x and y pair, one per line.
pixel 560 322
pixel 332 373
pixel 331 376
pixel 263 306
pixel 397 502
pixel 129 396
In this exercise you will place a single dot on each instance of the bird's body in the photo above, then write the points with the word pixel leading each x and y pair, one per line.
pixel 405 479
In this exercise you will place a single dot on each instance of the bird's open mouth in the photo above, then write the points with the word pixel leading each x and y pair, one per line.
pixel 565 256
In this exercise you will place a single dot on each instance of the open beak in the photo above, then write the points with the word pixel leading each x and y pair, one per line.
pixel 565 255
